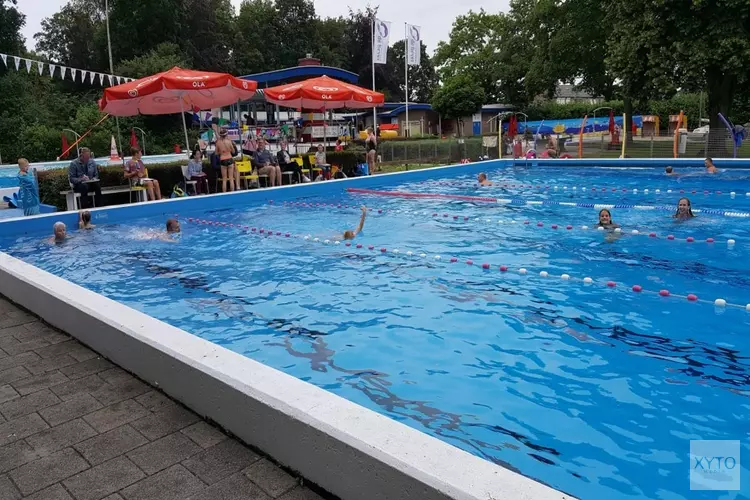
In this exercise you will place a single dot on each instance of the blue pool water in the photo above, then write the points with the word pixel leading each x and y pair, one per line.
pixel 591 389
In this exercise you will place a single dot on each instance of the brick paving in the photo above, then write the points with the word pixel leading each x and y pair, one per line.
pixel 73 426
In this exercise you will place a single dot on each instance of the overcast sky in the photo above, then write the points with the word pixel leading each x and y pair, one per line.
pixel 435 16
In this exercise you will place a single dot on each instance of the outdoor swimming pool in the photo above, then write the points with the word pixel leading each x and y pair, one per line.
pixel 592 389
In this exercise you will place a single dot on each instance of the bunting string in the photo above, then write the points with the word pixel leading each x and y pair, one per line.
pixel 105 80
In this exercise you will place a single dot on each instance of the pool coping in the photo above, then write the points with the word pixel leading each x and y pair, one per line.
pixel 301 426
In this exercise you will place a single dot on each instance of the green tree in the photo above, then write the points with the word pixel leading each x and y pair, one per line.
pixel 657 48
pixel 358 40
pixel 422 79
pixel 11 22
pixel 75 36
pixel 255 37
pixel 330 32
pixel 210 33
pixel 163 57
pixel 459 96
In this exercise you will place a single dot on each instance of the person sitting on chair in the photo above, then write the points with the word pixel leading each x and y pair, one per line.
pixel 135 172
pixel 195 172
pixel 266 164
pixel 287 165
pixel 83 175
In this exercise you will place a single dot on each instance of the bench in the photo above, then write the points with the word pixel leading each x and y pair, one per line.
pixel 71 197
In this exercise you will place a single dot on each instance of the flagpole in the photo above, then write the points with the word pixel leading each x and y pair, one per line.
pixel 374 112
pixel 112 72
pixel 406 77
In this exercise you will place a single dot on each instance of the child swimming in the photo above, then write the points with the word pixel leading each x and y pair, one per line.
pixel 349 234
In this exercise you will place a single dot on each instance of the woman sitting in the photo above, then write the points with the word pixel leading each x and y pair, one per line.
pixel 195 172
pixel 135 172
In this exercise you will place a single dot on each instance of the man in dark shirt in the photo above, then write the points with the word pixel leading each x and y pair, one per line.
pixel 287 165
pixel 83 175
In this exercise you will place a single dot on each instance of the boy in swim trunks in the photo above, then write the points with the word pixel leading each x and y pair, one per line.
pixel 349 234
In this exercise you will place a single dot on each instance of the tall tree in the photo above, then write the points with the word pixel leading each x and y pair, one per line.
pixel 255 37
pixel 422 79
pixel 11 22
pixel 358 40
pixel 473 50
pixel 460 96
pixel 658 47
pixel 329 46
pixel 210 33
pixel 75 36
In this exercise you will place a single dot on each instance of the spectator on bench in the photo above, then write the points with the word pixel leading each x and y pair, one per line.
pixel 82 170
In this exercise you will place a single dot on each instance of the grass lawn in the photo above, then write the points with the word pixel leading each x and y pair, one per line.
pixel 402 167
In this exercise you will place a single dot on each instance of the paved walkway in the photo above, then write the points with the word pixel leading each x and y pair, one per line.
pixel 75 426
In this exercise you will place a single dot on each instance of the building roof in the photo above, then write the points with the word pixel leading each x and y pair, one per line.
pixel 280 75
pixel 396 108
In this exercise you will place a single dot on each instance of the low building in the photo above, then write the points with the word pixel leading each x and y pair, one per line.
pixel 568 94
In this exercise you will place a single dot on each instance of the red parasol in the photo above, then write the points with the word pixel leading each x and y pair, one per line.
pixel 133 139
pixel 175 91
pixel 634 128
pixel 611 122
pixel 323 92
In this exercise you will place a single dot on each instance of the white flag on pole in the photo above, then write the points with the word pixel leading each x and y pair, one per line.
pixel 63 70
pixel 73 72
pixel 52 70
pixel 28 65
pixel 40 67
pixel 17 60
pixel 414 44
pixel 4 58
pixel 380 44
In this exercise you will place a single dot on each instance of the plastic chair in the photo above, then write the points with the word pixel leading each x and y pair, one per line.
pixel 245 169
pixel 299 161
pixel 187 181
pixel 137 189
pixel 311 159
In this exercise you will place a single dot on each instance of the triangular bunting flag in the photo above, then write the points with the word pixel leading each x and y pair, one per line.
pixel 92 75
pixel 117 79
pixel 109 77
pixel 63 69
pixel 28 65
pixel 84 73
pixel 40 67
pixel 52 70
pixel 4 57
pixel 101 79
pixel 17 60
pixel 73 72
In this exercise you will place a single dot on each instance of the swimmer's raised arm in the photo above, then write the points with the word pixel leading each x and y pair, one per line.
pixel 349 235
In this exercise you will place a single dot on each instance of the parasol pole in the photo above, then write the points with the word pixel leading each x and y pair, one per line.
pixel 374 112
pixel 184 125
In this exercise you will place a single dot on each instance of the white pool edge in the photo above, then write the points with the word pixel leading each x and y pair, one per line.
pixel 349 450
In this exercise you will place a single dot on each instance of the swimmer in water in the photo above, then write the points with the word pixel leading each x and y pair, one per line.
pixel 684 210
pixel 668 171
pixel 605 219
pixel 482 179
pixel 349 235
pixel 710 167
pixel 84 220
pixel 60 233
pixel 173 230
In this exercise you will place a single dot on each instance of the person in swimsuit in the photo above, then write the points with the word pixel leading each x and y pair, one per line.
pixel 684 209
pixel 482 179
pixel 710 167
pixel 84 220
pixel 372 149
pixel 349 234
pixel 60 233
pixel 225 150
pixel 605 219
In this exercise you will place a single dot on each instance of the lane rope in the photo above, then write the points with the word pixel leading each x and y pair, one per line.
pixel 525 222
pixel 485 266
pixel 509 201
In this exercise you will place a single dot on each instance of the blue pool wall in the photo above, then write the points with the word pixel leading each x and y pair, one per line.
pixel 183 206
